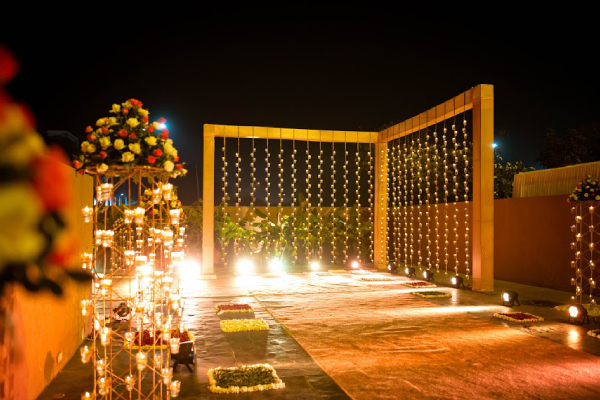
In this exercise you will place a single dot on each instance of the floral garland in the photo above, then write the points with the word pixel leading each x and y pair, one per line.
pixel 594 333
pixel 156 342
pixel 244 325
pixel 419 284
pixel 588 189
pixel 128 139
pixel 430 294
pixel 360 272
pixel 36 247
pixel 244 379
pixel 337 271
pixel 518 317
pixel 233 308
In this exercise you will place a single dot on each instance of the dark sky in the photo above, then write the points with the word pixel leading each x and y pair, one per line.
pixel 328 68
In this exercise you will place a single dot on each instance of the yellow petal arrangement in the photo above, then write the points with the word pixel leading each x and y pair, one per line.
pixel 374 278
pixel 231 378
pixel 430 294
pixel 418 284
pixel 233 308
pixel 338 271
pixel 244 325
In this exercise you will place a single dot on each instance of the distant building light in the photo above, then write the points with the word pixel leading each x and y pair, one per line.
pixel 494 145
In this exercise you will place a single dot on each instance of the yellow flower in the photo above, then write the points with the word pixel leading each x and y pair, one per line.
pixel 20 237
pixel 170 150
pixel 133 122
pixel 151 140
pixel 173 204
pixel 104 142
pixel 127 104
pixel 135 147
pixel 101 122
pixel 115 108
pixel 127 157
pixel 169 166
pixel 112 121
pixel 119 145
pixel 102 167
pixel 156 126
pixel 142 112
pixel 244 325
pixel 87 147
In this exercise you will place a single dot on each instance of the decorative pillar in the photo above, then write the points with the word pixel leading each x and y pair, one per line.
pixel 208 205
pixel 381 203
pixel 483 188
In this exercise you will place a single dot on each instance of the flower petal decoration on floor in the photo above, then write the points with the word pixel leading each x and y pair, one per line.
pixel 244 325
pixel 519 317
pixel 337 271
pixel 360 272
pixel 251 378
pixel 233 308
pixel 594 333
pixel 418 284
pixel 430 294
pixel 374 278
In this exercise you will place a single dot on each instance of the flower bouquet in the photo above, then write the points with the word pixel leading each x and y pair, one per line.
pixel 520 317
pixel 36 246
pixel 251 378
pixel 430 294
pixel 418 284
pixel 587 190
pixel 244 325
pixel 127 139
pixel 233 308
pixel 149 341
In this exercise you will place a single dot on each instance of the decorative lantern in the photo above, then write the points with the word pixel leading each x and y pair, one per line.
pixel 175 214
pixel 175 388
pixel 87 214
pixel 86 353
pixel 141 360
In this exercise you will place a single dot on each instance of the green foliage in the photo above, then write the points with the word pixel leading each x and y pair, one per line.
pixel 193 229
pixel 575 147
pixel 244 376
pixel 504 176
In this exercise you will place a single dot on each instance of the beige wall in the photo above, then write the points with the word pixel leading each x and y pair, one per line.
pixel 45 325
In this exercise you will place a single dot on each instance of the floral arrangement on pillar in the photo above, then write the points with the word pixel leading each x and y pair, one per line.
pixel 139 245
pixel 34 193
pixel 584 202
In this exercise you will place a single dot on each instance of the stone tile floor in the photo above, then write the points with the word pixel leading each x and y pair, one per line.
pixel 349 327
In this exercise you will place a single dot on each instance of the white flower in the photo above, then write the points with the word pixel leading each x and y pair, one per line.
pixel 169 166
pixel 119 144
pixel 133 122
pixel 135 147
pixel 127 157
pixel 170 150
pixel 151 140
pixel 102 167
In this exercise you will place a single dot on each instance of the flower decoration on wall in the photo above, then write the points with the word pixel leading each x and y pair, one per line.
pixel 34 193
pixel 127 138
pixel 587 190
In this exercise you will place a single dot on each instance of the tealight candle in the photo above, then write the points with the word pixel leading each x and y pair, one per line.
pixel 175 388
pixel 141 360
pixel 174 342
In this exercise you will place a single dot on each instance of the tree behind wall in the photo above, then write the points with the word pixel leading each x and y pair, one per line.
pixel 578 146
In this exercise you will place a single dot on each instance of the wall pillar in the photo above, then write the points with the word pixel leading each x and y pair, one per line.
pixel 208 204
pixel 381 203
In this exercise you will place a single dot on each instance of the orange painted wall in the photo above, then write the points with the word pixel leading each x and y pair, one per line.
pixel 45 325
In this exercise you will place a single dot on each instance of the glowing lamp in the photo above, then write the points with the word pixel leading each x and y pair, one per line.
pixel 130 382
pixel 509 298
pixel 105 334
pixel 175 388
pixel 100 367
pixel 141 360
pixel 276 266
pixel 355 264
pixel 392 268
pixel 167 375
pixel 457 281
pixel 578 314
pixel 245 266
pixel 86 353
pixel 87 396
pixel 138 214
pixel 428 275
pixel 87 214
pixel 174 344
pixel 128 216
pixel 410 271
pixel 167 188
pixel 314 266
pixel 175 214
pixel 104 191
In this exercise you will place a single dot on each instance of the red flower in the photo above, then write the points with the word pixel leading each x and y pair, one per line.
pixel 158 152
pixel 103 154
pixel 132 136
pixel 125 110
pixel 80 172
pixel 176 159
pixel 135 102
pixel 90 137
pixel 89 129
pixel 51 180
pixel 151 212
pixel 178 166
pixel 145 119
pixel 8 65
pixel 150 129
pixel 123 133
pixel 77 164
pixel 161 120
pixel 104 130
pixel 165 134
pixel 151 159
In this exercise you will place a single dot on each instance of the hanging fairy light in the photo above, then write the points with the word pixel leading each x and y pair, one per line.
pixel 427 191
pixel 405 198
pixel 371 210
pixel 320 198
pixel 293 216
pixel 394 207
pixel 466 190
pixel 345 200
pixel 445 162
pixel 412 200
pixel 333 247
pixel 252 178
pixel 358 239
pixel 308 198
pixel 419 194
pixel 224 201
pixel 436 194
pixel 389 180
pixel 399 180
pixel 238 173
pixel 455 189
pixel 280 182
pixel 268 175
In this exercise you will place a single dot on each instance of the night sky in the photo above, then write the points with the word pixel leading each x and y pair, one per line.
pixel 338 68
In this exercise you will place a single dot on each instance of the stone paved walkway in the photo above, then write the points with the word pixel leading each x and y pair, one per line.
pixel 377 341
